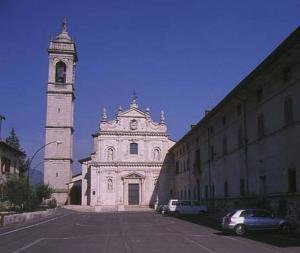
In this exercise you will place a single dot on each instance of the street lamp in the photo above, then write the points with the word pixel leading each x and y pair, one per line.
pixel 1 119
pixel 35 153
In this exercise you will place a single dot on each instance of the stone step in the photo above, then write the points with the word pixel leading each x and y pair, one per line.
pixel 79 208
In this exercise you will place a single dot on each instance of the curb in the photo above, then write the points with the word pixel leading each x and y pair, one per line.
pixel 9 219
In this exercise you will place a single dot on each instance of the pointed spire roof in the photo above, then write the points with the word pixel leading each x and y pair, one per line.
pixel 64 35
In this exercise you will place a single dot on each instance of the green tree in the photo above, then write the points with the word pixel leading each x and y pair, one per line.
pixel 17 192
pixel 24 166
pixel 43 191
pixel 13 140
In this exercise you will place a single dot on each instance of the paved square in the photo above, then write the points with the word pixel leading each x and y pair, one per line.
pixel 135 232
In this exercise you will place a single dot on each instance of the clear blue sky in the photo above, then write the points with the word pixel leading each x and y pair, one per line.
pixel 182 56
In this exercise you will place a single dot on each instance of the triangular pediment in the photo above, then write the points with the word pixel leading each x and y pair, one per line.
pixel 134 112
pixel 133 175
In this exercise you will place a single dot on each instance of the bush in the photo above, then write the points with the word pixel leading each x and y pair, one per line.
pixel 20 195
pixel 17 192
pixel 43 191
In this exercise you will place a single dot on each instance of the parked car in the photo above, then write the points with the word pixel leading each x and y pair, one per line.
pixel 181 207
pixel 242 220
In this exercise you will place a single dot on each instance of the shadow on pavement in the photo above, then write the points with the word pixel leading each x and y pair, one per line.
pixel 275 238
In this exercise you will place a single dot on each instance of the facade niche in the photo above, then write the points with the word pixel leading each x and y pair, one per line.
pixel 156 154
pixel 110 154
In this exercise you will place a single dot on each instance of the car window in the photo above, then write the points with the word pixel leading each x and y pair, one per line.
pixel 231 213
pixel 246 213
pixel 175 203
pixel 185 203
pixel 261 213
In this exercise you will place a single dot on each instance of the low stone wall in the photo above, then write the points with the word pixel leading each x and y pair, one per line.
pixel 8 219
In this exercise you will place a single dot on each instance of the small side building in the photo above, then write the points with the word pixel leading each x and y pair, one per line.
pixel 9 161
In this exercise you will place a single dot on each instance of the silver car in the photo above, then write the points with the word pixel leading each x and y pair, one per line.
pixel 243 220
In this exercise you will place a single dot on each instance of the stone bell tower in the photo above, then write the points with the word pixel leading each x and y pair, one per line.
pixel 60 111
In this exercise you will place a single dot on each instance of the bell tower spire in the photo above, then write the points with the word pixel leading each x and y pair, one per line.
pixel 60 109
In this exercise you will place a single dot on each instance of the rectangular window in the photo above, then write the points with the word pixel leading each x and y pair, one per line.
pixel 206 191
pixel 260 126
pixel 242 187
pixel 225 189
pixel 292 180
pixel 5 166
pixel 177 168
pixel 224 145
pixel 287 75
pixel 288 111
pixel 259 95
pixel 263 186
pixel 133 148
pixel 224 121
pixel 239 109
pixel 197 160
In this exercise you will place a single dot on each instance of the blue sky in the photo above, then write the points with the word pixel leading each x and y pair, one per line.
pixel 182 56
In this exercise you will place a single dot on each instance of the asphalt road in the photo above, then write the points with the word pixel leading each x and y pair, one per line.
pixel 135 232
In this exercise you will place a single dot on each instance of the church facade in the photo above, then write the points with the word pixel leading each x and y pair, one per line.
pixel 129 165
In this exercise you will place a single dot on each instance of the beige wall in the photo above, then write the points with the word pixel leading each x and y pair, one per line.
pixel 269 157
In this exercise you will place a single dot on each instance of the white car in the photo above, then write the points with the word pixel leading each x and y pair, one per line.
pixel 180 207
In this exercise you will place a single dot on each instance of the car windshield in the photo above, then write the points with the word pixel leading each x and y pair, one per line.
pixel 175 203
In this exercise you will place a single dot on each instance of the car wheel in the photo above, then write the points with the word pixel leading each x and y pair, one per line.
pixel 240 229
pixel 285 228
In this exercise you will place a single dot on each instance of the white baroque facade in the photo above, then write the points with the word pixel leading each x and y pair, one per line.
pixel 129 165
